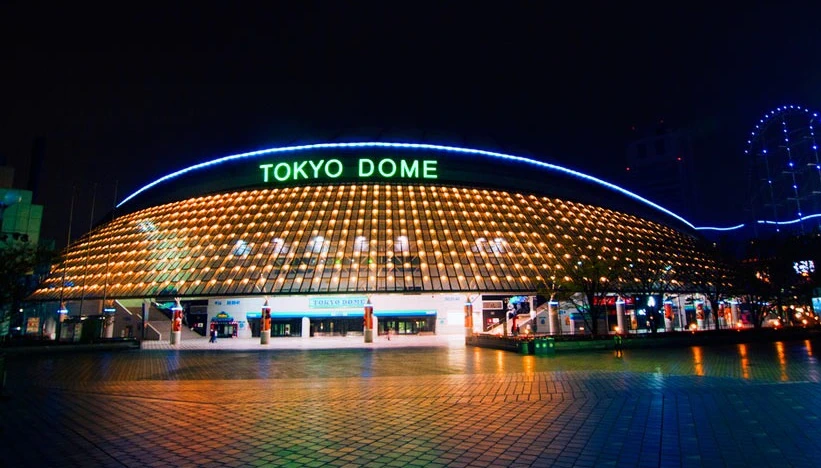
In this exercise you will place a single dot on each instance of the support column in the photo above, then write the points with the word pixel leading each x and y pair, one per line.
pixel 368 322
pixel 176 323
pixel 108 313
pixel 306 327
pixel 468 317
pixel 553 317
pixel 533 325
pixel 144 323
pixel 62 314
pixel 722 321
pixel 620 330
pixel 734 314
pixel 700 315
pixel 265 324
pixel 668 316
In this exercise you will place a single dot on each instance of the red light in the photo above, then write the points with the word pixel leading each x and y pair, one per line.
pixel 678 158
pixel 628 169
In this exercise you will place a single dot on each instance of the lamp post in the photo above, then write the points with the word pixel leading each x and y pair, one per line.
pixel 63 312
pixel 9 198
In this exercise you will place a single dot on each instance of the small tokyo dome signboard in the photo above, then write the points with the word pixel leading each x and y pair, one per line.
pixel 337 302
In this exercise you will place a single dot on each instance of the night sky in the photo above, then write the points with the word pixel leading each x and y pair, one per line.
pixel 130 93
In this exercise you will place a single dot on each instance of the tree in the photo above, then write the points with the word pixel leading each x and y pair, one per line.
pixel 22 267
pixel 780 271
pixel 800 257
pixel 649 275
pixel 592 268
pixel 715 280
pixel 756 289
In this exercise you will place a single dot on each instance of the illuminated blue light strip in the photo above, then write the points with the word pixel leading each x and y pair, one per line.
pixel 761 221
pixel 709 228
pixel 797 220
pixel 421 146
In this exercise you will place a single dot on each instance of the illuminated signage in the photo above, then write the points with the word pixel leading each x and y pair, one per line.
pixel 804 267
pixel 337 302
pixel 366 168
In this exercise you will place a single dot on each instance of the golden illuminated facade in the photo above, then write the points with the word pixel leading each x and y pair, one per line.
pixel 351 238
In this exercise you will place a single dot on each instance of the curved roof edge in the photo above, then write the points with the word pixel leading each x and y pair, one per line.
pixel 409 146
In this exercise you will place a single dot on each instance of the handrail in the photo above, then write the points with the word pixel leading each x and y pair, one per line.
pixel 159 335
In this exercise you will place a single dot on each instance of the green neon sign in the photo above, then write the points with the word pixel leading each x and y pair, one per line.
pixel 366 168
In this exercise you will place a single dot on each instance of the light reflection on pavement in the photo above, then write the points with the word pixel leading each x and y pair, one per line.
pixel 435 403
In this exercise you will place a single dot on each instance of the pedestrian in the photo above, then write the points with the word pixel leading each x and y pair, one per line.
pixel 213 335
pixel 390 331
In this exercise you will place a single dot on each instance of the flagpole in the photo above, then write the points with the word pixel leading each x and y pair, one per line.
pixel 88 247
pixel 63 312
pixel 108 247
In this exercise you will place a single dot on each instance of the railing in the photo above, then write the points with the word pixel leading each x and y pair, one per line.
pixel 498 328
pixel 151 333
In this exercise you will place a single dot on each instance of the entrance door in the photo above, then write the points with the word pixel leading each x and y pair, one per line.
pixel 253 323
pixel 406 325
pixel 286 327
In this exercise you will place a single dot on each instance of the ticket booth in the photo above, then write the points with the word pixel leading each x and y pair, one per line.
pixel 225 325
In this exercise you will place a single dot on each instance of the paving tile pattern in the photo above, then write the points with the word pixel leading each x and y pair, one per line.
pixel 436 405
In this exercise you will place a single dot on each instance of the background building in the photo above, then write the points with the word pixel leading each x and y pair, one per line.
pixel 660 166
pixel 20 222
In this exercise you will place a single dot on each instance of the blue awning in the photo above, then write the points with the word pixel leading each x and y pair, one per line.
pixel 321 314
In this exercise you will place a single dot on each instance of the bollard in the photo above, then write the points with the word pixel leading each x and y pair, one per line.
pixel 550 346
pixel 540 346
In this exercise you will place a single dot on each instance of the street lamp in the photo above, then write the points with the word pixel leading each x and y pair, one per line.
pixel 9 198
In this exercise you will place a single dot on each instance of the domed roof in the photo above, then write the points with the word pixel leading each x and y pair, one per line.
pixel 367 218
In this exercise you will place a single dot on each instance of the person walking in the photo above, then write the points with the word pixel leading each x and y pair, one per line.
pixel 213 335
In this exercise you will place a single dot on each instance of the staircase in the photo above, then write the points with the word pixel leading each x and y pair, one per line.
pixel 128 312
pixel 521 321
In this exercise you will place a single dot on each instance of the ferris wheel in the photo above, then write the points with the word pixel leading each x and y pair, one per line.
pixel 785 170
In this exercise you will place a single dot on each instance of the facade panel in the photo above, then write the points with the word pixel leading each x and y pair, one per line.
pixel 358 238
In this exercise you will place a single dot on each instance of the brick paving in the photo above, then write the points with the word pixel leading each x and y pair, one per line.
pixel 425 402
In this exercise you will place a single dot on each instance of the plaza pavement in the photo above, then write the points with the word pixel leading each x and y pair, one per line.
pixel 413 401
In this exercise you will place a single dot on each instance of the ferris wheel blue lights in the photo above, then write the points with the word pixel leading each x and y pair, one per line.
pixel 788 165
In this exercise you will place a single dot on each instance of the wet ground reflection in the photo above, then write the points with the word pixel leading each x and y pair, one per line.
pixel 791 361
